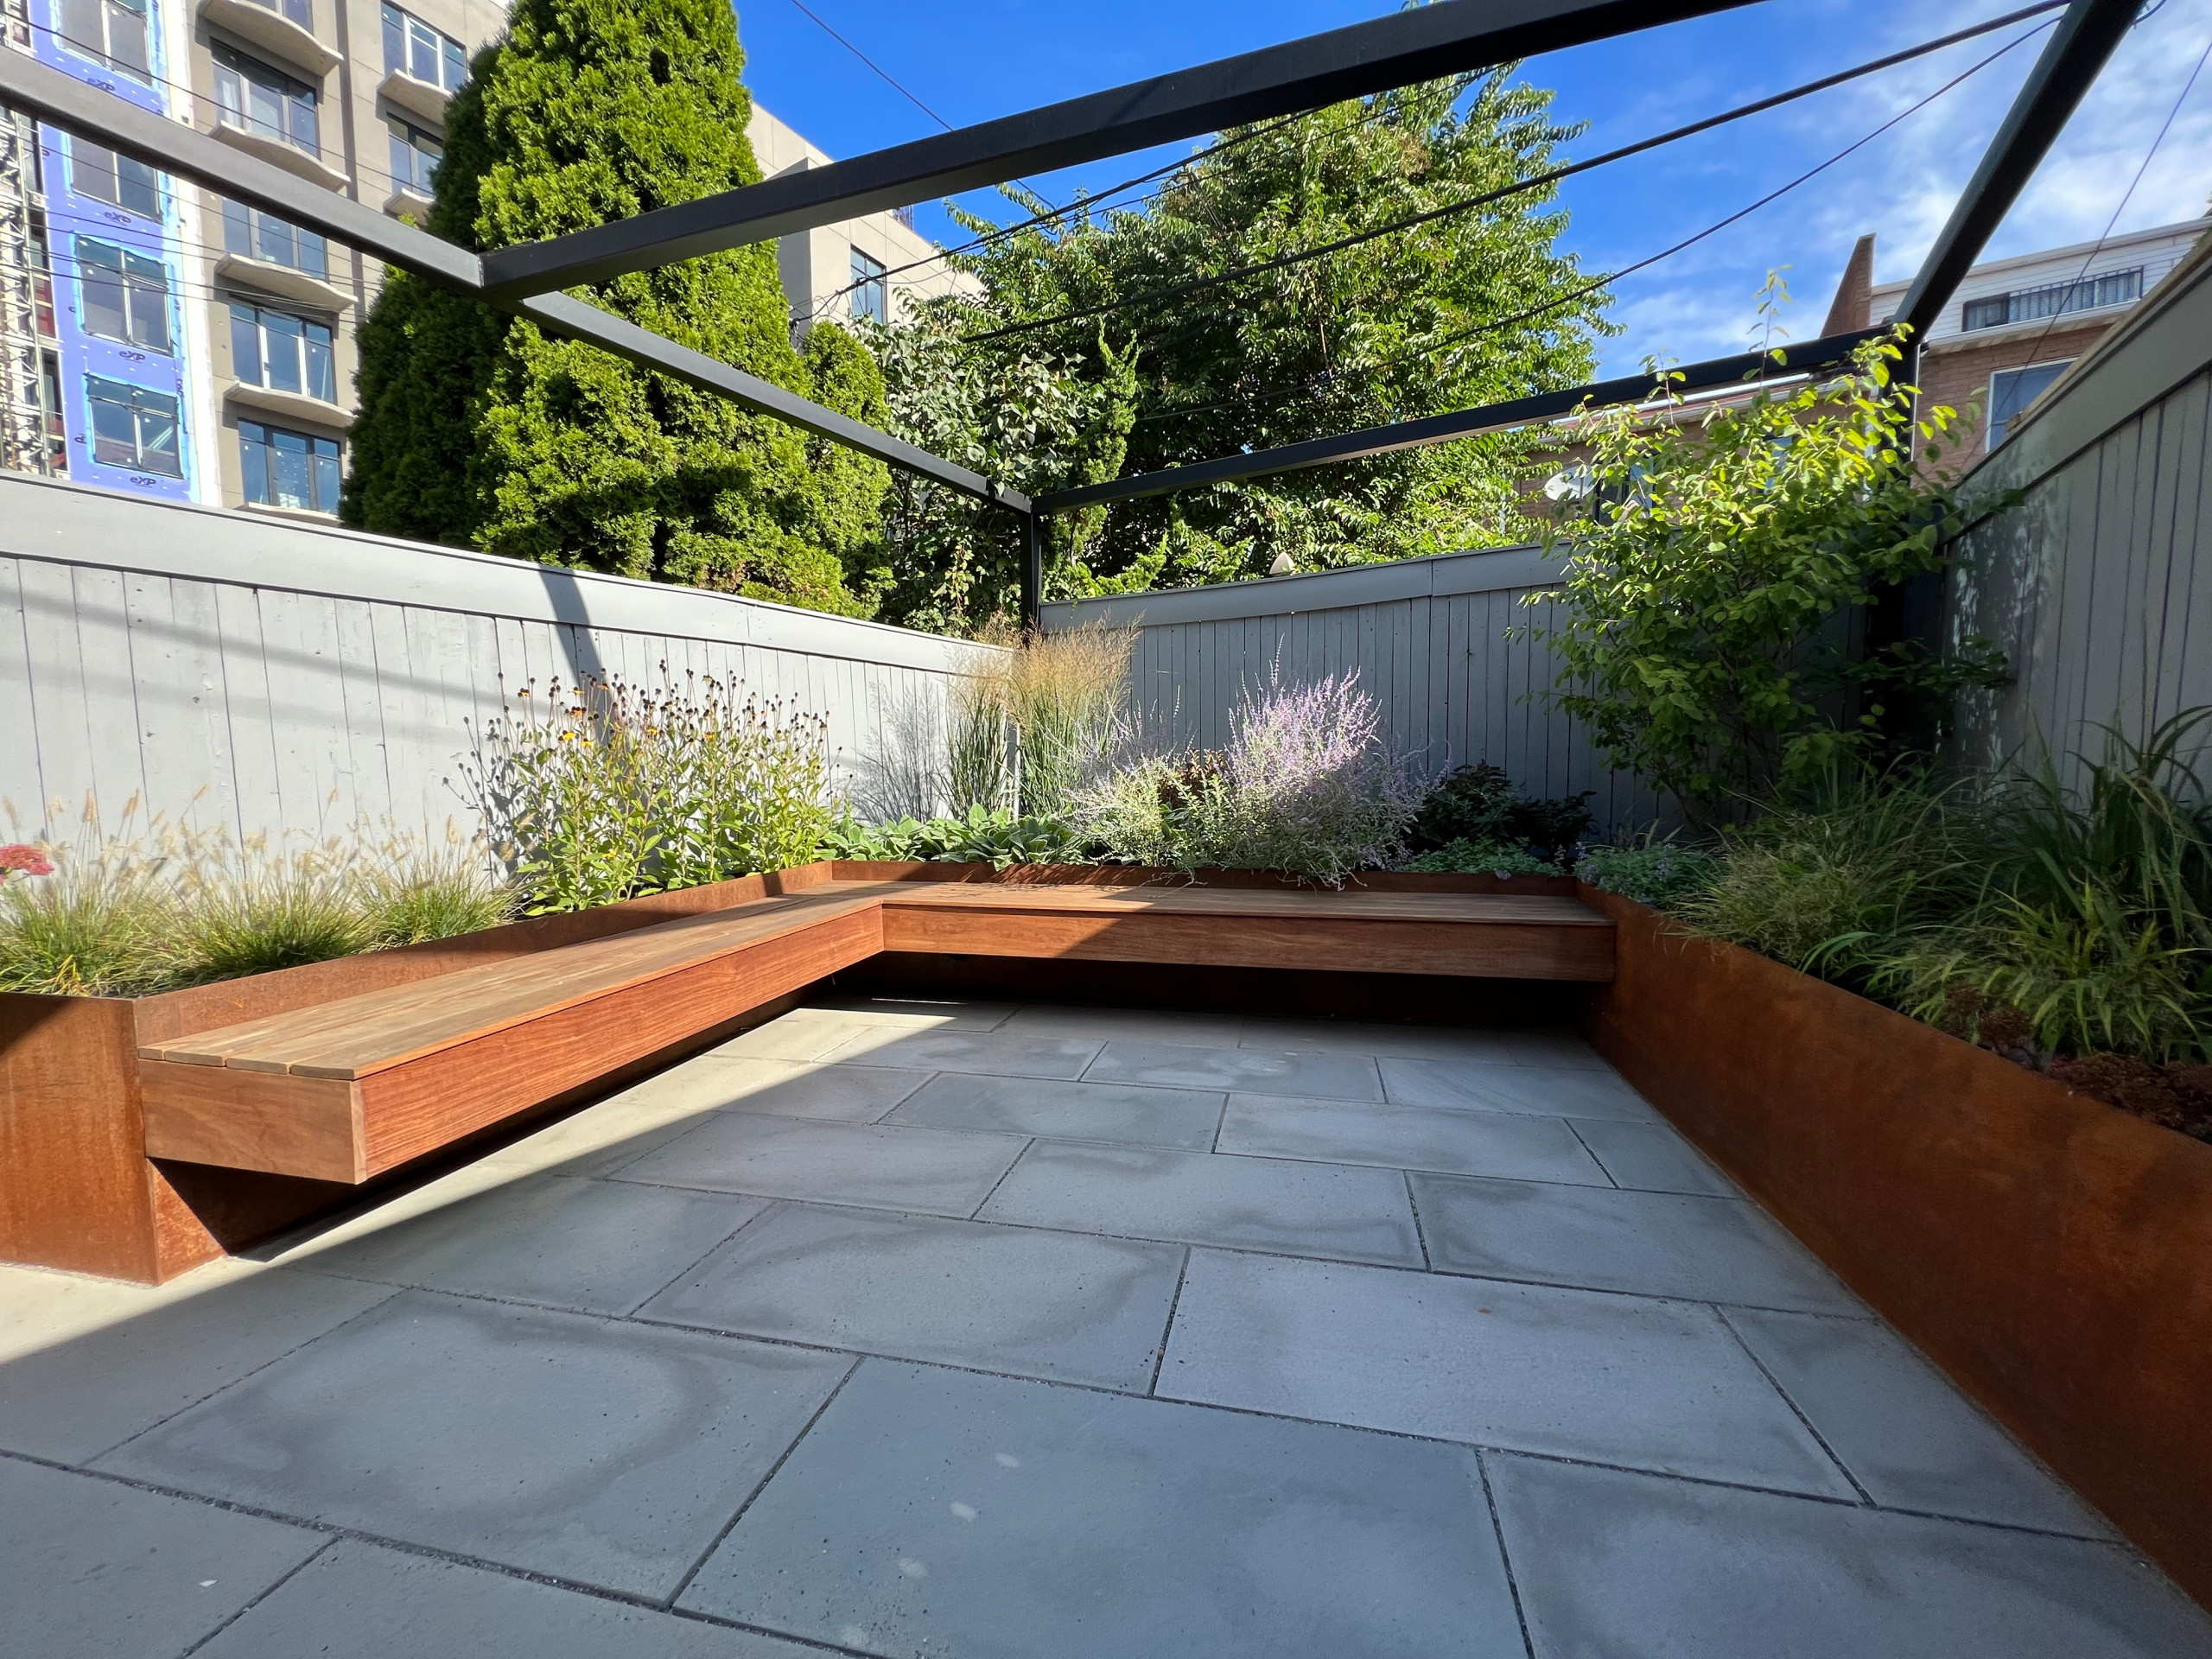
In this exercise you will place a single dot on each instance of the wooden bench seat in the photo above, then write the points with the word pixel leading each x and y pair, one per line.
pixel 348 1089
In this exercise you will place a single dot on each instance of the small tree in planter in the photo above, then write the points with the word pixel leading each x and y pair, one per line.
pixel 1703 635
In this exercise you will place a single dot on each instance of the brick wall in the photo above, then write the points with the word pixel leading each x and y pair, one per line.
pixel 1954 371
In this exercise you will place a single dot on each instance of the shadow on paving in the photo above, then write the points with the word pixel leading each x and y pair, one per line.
pixel 978 1330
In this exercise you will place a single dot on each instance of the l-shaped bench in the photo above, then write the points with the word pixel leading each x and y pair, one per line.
pixel 348 1089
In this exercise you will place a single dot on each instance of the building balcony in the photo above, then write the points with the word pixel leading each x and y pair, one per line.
pixel 408 202
pixel 286 282
pixel 295 406
pixel 270 29
pixel 417 98
pixel 287 156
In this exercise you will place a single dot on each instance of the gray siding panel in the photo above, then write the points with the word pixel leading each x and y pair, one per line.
pixel 231 672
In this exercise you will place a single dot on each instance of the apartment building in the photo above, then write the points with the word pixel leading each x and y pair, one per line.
pixel 162 340
pixel 2016 325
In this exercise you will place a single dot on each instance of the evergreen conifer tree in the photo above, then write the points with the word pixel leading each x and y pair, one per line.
pixel 478 429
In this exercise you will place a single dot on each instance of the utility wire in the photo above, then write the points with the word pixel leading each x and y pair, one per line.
pixel 1491 326
pixel 1536 182
pixel 888 79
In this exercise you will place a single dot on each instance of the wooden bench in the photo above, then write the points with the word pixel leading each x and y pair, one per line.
pixel 348 1089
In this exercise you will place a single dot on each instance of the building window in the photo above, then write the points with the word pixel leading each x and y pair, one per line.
pixel 100 174
pixel 133 426
pixel 126 294
pixel 288 469
pixel 251 234
pixel 50 417
pixel 116 33
pixel 282 353
pixel 413 48
pixel 41 276
pixel 296 11
pixel 414 156
pixel 253 98
pixel 2011 391
pixel 871 293
pixel 2031 304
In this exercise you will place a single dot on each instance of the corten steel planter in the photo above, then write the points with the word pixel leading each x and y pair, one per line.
pixel 2052 1253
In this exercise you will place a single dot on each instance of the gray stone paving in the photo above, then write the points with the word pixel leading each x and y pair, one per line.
pixel 923 1328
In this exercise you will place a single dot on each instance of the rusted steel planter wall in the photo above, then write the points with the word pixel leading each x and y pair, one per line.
pixel 2052 1253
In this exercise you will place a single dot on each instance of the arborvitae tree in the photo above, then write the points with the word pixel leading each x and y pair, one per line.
pixel 478 429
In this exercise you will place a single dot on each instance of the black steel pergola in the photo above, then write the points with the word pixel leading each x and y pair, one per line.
pixel 1425 43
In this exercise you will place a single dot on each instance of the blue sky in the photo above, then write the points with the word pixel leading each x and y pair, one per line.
pixel 987 57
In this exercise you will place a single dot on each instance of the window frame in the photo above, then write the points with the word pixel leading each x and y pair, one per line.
pixel 395 126
pixel 166 464
pixel 304 351
pixel 1996 432
pixel 102 51
pixel 399 27
pixel 2093 284
pixel 140 281
pixel 244 224
pixel 245 72
pixel 871 288
pixel 86 168
pixel 259 469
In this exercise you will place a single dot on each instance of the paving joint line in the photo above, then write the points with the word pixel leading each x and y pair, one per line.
pixel 1420 1237
pixel 727 1239
pixel 1168 1331
pixel 1504 1555
pixel 261 1595
pixel 1796 1410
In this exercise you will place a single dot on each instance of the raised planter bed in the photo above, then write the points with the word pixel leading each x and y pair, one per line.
pixel 2052 1253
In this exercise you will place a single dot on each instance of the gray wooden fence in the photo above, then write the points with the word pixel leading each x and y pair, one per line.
pixel 1447 645
pixel 267 675
pixel 2098 584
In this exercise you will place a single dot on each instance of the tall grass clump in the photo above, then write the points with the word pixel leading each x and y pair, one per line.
pixel 95 922
pixel 1032 728
pixel 1307 784
pixel 604 790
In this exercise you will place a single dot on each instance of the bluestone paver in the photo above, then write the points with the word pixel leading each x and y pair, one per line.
pixel 1545 1090
pixel 359 1601
pixel 1367 1037
pixel 600 1247
pixel 846 1094
pixel 934 1172
pixel 1613 1563
pixel 1139 1025
pixel 1262 1204
pixel 1185 1118
pixel 1409 1137
pixel 606 1454
pixel 942 1013
pixel 1652 1158
pixel 94 1569
pixel 1244 1071
pixel 1615 1379
pixel 806 1034
pixel 1648 1243
pixel 940 1512
pixel 94 1362
pixel 991 1052
pixel 1059 1306
pixel 604 1135
pixel 1913 1441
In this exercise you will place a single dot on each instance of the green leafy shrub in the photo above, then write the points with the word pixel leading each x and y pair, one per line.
pixel 607 790
pixel 1480 803
pixel 1465 857
pixel 982 836
pixel 1702 615
pixel 1660 874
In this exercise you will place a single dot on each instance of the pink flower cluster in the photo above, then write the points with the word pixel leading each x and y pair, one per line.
pixel 23 860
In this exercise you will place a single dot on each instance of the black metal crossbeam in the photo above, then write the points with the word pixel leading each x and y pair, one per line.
pixel 1814 354
pixel 1419 43
pixel 2085 37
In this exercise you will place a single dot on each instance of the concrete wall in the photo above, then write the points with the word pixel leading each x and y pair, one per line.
pixel 1429 639
pixel 2098 584
pixel 268 676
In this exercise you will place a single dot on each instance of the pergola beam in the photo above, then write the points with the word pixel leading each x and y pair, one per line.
pixel 2071 60
pixel 1419 43
pixel 1794 360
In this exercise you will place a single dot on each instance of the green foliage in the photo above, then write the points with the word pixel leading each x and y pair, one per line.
pixel 1480 804
pixel 478 429
pixel 607 790
pixel 1467 309
pixel 1704 618
pixel 983 835
pixel 1465 857
pixel 1660 873
pixel 133 914
pixel 1035 724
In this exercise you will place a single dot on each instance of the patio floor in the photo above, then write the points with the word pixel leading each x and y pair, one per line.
pixel 963 1329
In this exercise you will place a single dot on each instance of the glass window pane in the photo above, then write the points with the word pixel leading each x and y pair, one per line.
pixel 456 65
pixel 323 378
pixel 83 28
pixel 253 462
pixel 265 107
pixel 421 53
pixel 402 157
pixel 310 258
pixel 273 242
pixel 115 429
pixel 294 480
pixel 92 171
pixel 283 334
pixel 395 40
pixel 129 47
pixel 326 476
pixel 157 434
pixel 301 12
pixel 100 275
pixel 139 188
pixel 246 344
pixel 148 281
pixel 238 229
pixel 305 131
